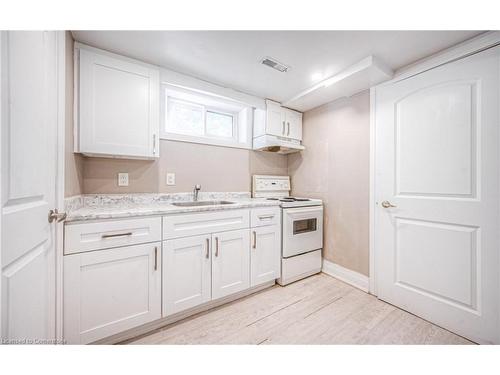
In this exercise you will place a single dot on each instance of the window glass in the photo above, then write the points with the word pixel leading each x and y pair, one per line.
pixel 219 124
pixel 185 118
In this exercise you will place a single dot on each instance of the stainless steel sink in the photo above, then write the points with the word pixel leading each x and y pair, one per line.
pixel 201 203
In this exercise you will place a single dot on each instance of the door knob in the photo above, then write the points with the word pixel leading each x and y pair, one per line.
pixel 55 215
pixel 387 204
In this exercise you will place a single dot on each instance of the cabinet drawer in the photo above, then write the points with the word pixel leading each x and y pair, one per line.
pixel 107 234
pixel 184 225
pixel 265 216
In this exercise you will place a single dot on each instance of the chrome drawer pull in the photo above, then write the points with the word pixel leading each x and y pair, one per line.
pixel 254 240
pixel 116 235
pixel 207 255
pixel 262 217
pixel 216 246
pixel 156 258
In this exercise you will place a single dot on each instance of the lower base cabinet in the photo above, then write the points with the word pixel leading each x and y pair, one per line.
pixel 187 269
pixel 265 254
pixel 202 268
pixel 230 262
pixel 110 291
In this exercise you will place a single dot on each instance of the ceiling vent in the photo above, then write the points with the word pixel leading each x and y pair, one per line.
pixel 272 63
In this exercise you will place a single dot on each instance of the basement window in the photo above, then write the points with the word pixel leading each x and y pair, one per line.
pixel 190 116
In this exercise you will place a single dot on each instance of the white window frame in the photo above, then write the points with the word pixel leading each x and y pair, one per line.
pixel 235 141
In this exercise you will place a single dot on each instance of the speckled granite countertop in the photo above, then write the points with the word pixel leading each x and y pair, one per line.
pixel 109 206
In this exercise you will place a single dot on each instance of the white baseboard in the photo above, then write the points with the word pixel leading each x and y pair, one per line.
pixel 348 276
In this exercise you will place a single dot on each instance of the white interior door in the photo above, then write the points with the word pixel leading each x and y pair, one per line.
pixel 28 154
pixel 437 162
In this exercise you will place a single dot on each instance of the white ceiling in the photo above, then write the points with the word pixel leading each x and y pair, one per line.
pixel 232 58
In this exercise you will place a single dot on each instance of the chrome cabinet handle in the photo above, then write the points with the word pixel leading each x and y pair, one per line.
pixel 154 144
pixel 262 217
pixel 387 204
pixel 207 255
pixel 283 132
pixel 55 215
pixel 156 258
pixel 288 133
pixel 116 235
pixel 254 246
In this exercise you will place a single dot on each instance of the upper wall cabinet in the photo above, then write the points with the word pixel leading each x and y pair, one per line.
pixel 282 122
pixel 117 102
pixel 277 129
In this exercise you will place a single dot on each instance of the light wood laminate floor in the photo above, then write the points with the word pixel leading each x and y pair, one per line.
pixel 316 310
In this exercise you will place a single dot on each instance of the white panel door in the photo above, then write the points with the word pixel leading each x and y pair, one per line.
pixel 110 291
pixel 29 140
pixel 186 273
pixel 119 110
pixel 293 124
pixel 230 262
pixel 275 119
pixel 265 254
pixel 437 162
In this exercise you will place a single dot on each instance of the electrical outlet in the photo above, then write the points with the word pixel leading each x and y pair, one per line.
pixel 122 179
pixel 170 178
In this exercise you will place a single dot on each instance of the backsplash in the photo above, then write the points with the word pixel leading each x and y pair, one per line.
pixel 215 168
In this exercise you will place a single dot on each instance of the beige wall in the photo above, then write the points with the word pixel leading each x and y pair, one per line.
pixel 335 168
pixel 215 168
pixel 73 163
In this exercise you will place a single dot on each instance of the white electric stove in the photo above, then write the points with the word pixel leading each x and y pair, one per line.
pixel 301 227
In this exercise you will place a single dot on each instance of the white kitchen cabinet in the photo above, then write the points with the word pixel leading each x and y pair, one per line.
pixel 265 254
pixel 230 262
pixel 186 273
pixel 293 122
pixel 275 119
pixel 110 291
pixel 279 121
pixel 117 105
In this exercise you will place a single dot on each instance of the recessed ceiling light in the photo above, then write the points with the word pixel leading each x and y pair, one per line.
pixel 275 64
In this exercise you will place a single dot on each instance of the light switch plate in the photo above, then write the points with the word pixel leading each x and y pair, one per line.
pixel 122 179
pixel 170 178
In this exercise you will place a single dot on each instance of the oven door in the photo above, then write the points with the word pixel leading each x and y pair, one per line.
pixel 302 230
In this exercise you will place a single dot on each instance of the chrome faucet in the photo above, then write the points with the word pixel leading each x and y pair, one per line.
pixel 196 190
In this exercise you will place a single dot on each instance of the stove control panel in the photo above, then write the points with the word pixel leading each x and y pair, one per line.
pixel 270 186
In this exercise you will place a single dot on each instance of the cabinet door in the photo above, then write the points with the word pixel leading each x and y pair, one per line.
pixel 230 262
pixel 265 254
pixel 186 273
pixel 275 119
pixel 110 291
pixel 118 107
pixel 293 124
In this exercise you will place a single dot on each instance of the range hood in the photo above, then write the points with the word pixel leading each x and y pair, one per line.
pixel 279 145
